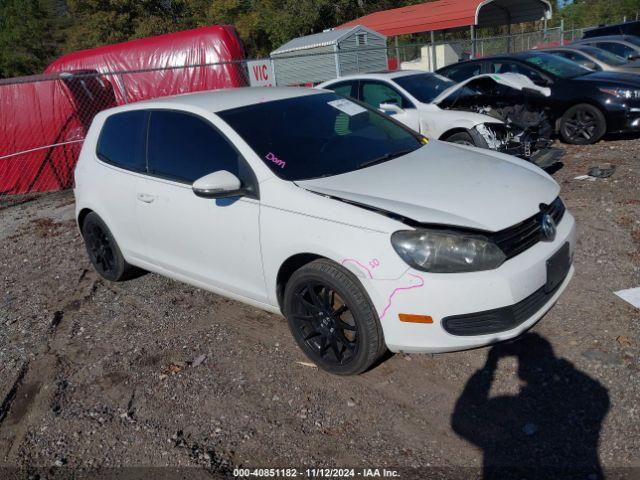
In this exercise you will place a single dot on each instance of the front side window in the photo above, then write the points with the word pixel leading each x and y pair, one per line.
pixel 578 58
pixel 319 135
pixel 560 67
pixel 122 140
pixel 424 86
pixel 377 93
pixel 185 147
pixel 604 56
pixel 619 49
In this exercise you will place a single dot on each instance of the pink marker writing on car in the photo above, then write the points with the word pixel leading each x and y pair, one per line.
pixel 272 158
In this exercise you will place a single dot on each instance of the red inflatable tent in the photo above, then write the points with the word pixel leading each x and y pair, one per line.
pixel 158 63
pixel 43 119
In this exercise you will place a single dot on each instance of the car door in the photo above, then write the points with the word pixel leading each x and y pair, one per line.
pixel 211 241
pixel 121 152
pixel 376 93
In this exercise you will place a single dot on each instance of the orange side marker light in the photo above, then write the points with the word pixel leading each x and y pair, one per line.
pixel 406 317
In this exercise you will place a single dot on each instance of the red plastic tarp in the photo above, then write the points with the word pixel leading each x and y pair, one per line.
pixel 159 61
pixel 443 14
pixel 44 119
pixel 42 124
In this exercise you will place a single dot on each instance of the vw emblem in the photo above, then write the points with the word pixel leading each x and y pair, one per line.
pixel 548 227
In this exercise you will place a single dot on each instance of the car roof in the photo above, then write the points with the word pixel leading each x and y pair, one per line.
pixel 582 48
pixel 223 99
pixel 384 75
pixel 515 56
pixel 619 38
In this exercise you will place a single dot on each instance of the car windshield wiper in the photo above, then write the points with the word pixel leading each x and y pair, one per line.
pixel 384 158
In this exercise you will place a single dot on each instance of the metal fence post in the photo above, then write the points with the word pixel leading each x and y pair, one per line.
pixel 473 41
pixel 124 88
pixel 433 51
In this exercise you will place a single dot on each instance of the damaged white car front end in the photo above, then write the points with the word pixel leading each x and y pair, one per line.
pixel 526 130
pixel 426 102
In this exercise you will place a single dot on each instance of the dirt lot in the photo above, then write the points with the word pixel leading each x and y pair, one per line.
pixel 96 375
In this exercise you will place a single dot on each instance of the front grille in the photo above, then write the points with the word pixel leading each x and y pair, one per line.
pixel 515 240
pixel 500 319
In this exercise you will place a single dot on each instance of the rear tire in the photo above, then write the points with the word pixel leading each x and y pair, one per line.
pixel 583 124
pixel 103 251
pixel 332 318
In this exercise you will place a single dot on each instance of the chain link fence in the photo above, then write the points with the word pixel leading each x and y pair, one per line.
pixel 44 119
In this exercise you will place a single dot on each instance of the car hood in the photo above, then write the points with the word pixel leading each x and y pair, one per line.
pixel 617 78
pixel 446 184
pixel 516 81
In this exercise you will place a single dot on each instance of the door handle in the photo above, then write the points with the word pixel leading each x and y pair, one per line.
pixel 146 198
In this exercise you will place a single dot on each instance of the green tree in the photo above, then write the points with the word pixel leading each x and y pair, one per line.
pixel 100 22
pixel 27 40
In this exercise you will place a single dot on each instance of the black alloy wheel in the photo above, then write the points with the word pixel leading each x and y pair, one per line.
pixel 100 251
pixel 582 124
pixel 103 251
pixel 332 318
pixel 325 323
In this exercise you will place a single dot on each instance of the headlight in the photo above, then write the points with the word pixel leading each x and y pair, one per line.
pixel 627 93
pixel 446 252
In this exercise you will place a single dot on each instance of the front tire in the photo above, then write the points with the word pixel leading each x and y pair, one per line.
pixel 332 318
pixel 583 124
pixel 461 138
pixel 103 251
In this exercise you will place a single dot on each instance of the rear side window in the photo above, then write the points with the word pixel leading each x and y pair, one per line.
pixel 344 89
pixel 185 147
pixel 377 93
pixel 122 140
pixel 460 73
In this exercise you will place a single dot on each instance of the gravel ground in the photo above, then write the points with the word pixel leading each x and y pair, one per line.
pixel 154 373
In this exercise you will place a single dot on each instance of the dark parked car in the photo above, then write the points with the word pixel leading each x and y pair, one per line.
pixel 584 105
pixel 625 46
pixel 627 28
pixel 595 59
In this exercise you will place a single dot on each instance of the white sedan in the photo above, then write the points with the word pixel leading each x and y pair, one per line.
pixel 362 233
pixel 417 98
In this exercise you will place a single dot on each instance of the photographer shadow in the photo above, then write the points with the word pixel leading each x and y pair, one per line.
pixel 550 429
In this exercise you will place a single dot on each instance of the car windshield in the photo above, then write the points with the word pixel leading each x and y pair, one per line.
pixel 558 66
pixel 604 56
pixel 319 135
pixel 424 86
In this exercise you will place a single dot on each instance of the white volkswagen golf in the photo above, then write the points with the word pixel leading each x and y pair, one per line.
pixel 362 233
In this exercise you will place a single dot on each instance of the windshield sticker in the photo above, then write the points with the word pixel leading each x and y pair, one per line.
pixel 272 158
pixel 347 106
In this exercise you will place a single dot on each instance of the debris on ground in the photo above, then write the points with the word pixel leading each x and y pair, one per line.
pixel 198 360
pixel 602 171
pixel 631 295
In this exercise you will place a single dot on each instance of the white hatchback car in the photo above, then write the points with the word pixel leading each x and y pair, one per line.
pixel 362 233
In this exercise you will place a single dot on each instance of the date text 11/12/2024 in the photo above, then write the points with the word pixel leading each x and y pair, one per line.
pixel 316 473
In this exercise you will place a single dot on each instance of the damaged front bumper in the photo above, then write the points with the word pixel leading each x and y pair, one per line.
pixel 523 144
